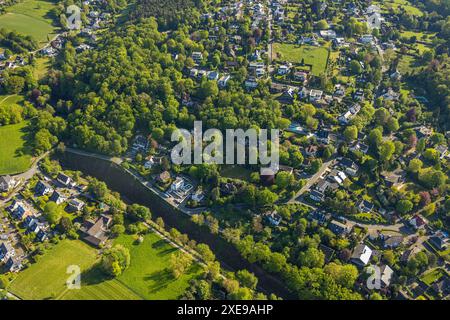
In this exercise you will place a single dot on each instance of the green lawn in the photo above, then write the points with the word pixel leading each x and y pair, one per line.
pixel 46 279
pixel 397 5
pixel 421 36
pixel 147 274
pixel 14 153
pixel 30 17
pixel 317 56
pixel 94 286
pixel 235 172
pixel 41 68
pixel 408 64
pixel 430 277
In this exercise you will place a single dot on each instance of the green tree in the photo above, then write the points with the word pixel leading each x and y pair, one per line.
pixel 115 260
pixel 404 206
pixel 247 279
pixel 311 258
pixel 415 165
pixel 53 212
pixel 350 133
pixel 179 263
pixel 138 212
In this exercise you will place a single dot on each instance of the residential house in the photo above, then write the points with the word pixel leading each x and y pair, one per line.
pixel 418 222
pixel 317 196
pixel 315 95
pixel 13 264
pixel 43 188
pixel 193 73
pixel 323 136
pixel 150 161
pixel 311 150
pixel 390 95
pixel 197 57
pixel 41 235
pixel 322 185
pixel 251 84
pixel 287 97
pixel 391 178
pixel 96 232
pixel 359 95
pixel 301 76
pixel 350 167
pixel 223 81
pixel 392 242
pixel 440 240
pixel 228 188
pixel 64 179
pixel 198 196
pixel 365 206
pixel 213 76
pixel 177 184
pixel 361 255
pixel 57 197
pixel 386 275
pixel 339 42
pixel 76 205
pixel 328 252
pixel 338 228
pixel 442 149
pixel 359 147
pixel 367 39
pixel 328 34
pixel 20 212
pixel 7 183
pixel 286 169
pixel 442 286
pixel 321 217
pixel 339 90
pixel 283 70
pixel 6 251
pixel 273 217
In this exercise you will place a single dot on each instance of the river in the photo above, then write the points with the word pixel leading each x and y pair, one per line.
pixel 133 190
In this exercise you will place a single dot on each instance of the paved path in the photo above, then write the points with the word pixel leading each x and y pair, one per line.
pixel 312 180
pixel 24 177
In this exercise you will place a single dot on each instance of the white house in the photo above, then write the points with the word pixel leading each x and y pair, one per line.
pixel 361 255
pixel 315 95
pixel 328 34
pixel 282 70
pixel 177 184
pixel 7 183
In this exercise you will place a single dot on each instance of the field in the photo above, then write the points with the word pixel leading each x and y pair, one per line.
pixel 30 17
pixel 14 153
pixel 147 274
pixel 420 36
pixel 317 56
pixel 46 279
pixel 397 5
pixel 146 278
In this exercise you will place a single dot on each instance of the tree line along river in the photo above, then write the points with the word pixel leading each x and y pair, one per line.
pixel 133 191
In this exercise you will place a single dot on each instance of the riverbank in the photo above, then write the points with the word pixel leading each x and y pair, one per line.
pixel 130 186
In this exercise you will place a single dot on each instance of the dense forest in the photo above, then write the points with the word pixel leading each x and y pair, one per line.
pixel 134 81
pixel 15 42
pixel 170 13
